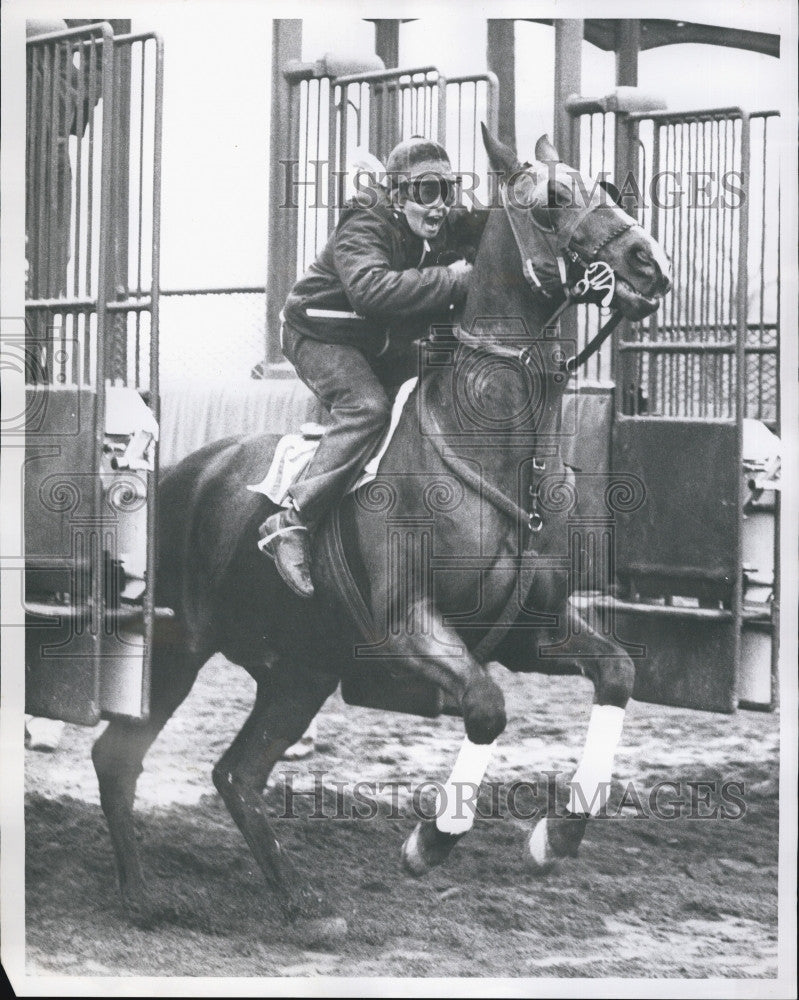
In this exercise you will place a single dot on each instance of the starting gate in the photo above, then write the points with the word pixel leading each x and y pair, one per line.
pixel 695 561
pixel 94 103
pixel 694 587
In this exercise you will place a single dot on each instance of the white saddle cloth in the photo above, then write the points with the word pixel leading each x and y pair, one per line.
pixel 295 451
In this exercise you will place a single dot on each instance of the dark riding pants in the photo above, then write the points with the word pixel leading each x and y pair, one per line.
pixel 358 396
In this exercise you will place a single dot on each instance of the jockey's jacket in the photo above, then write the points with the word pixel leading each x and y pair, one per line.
pixel 375 281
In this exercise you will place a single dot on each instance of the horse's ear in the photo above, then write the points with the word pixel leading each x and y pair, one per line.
pixel 502 158
pixel 545 152
pixel 612 190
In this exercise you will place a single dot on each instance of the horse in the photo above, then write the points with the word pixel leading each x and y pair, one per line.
pixel 455 549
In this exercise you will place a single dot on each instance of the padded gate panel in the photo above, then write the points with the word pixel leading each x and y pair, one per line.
pixel 689 660
pixel 59 481
pixel 587 420
pixel 62 679
pixel 61 661
pixel 689 524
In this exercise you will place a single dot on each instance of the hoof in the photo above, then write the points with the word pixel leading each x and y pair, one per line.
pixel 321 932
pixel 426 848
pixel 539 850
pixel 553 839
pixel 483 708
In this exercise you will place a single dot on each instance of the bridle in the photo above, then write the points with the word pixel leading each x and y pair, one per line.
pixel 570 245
pixel 598 279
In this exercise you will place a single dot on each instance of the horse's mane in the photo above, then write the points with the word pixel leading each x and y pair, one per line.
pixel 466 226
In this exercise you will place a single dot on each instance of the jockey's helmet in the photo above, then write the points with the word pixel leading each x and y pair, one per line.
pixel 417 157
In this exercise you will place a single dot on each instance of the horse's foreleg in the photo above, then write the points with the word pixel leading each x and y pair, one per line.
pixel 432 840
pixel 117 756
pixel 437 653
pixel 287 700
pixel 613 676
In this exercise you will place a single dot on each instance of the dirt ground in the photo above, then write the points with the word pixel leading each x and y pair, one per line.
pixel 648 897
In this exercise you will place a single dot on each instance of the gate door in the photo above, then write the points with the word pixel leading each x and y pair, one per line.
pixel 92 236
pixel 682 382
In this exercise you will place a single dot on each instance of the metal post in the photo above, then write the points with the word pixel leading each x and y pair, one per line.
pixel 284 145
pixel 739 403
pixel 628 45
pixel 154 386
pixel 625 153
pixel 387 41
pixel 386 96
pixel 568 82
pixel 117 262
pixel 501 60
pixel 568 76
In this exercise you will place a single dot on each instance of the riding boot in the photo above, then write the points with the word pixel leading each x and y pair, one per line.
pixel 284 538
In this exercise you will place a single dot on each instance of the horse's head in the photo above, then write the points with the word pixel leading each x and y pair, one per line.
pixel 561 218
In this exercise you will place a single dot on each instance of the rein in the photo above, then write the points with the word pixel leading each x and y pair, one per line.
pixel 569 365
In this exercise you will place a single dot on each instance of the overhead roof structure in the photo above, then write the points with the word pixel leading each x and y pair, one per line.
pixel 656 32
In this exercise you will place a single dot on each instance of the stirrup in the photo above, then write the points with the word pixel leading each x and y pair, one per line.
pixel 263 542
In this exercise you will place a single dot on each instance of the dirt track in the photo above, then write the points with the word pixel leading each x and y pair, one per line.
pixel 646 897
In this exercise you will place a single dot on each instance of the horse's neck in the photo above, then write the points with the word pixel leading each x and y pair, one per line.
pixel 501 309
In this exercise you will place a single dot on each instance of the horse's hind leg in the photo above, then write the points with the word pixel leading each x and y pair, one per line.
pixel 287 699
pixel 118 756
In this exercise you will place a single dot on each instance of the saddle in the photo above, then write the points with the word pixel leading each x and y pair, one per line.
pixel 294 453
pixel 361 684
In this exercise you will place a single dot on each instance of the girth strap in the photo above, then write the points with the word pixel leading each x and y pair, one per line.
pixel 331 548
pixel 500 628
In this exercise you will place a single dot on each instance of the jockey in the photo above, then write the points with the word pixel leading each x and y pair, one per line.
pixel 349 329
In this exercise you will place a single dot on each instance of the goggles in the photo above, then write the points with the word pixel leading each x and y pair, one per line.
pixel 429 191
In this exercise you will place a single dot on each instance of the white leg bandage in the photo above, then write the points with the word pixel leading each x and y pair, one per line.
pixel 458 802
pixel 590 785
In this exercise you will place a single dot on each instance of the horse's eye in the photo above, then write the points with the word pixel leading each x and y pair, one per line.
pixel 521 189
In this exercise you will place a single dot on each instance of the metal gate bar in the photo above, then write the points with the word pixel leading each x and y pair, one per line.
pixel 703 302
pixel 596 142
pixel 137 281
pixel 763 321
pixel 70 73
pixel 85 249
pixel 399 103
pixel 686 362
pixel 470 100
